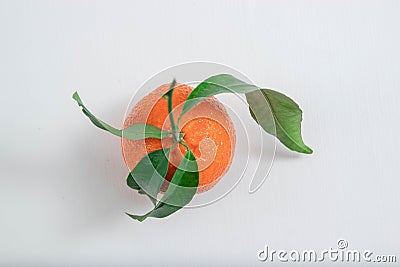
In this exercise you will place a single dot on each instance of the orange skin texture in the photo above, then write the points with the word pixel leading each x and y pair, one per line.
pixel 207 128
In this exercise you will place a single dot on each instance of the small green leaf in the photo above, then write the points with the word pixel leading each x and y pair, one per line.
pixel 149 173
pixel 218 84
pixel 133 132
pixel 278 115
pixel 141 131
pixel 180 191
pixel 96 121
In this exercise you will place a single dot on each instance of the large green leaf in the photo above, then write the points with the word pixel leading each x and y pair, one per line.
pixel 278 115
pixel 134 132
pixel 180 191
pixel 218 84
pixel 149 173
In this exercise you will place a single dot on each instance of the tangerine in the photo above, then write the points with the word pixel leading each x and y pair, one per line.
pixel 207 130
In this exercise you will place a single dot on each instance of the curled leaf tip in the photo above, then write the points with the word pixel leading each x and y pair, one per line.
pixel 309 151
pixel 170 90
pixel 137 217
pixel 77 98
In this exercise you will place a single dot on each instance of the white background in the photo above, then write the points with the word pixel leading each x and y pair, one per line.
pixel 62 181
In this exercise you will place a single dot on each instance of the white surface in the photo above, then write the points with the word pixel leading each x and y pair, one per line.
pixel 62 188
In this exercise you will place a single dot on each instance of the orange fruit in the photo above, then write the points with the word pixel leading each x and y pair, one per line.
pixel 208 132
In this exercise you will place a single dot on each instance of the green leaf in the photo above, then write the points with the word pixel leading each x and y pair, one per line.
pixel 218 84
pixel 278 115
pixel 134 132
pixel 148 175
pixel 141 131
pixel 96 121
pixel 180 191
pixel 130 181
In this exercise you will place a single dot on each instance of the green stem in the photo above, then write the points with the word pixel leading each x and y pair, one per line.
pixel 184 144
pixel 175 130
pixel 174 145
